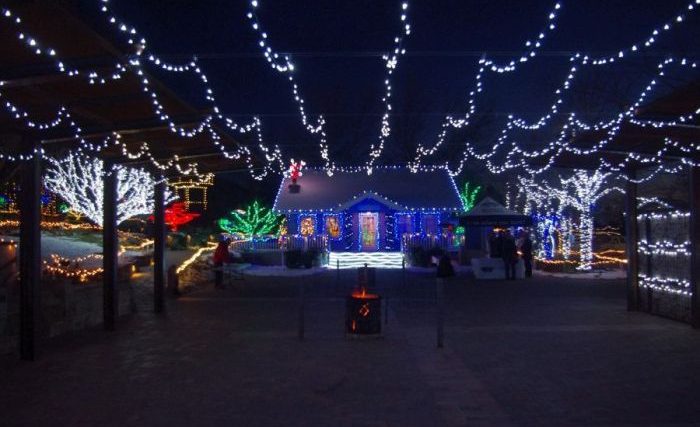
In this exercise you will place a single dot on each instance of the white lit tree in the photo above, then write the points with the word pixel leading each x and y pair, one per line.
pixel 79 180
pixel 581 191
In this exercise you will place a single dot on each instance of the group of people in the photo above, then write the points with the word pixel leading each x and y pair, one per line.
pixel 502 244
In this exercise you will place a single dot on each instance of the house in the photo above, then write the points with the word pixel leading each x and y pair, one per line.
pixel 367 213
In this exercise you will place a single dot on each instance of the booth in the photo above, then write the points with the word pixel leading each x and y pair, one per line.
pixel 484 217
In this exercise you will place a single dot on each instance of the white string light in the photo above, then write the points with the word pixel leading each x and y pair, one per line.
pixel 391 61
pixel 79 180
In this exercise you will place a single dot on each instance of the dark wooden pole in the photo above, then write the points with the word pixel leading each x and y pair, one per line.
pixel 30 256
pixel 159 247
pixel 110 245
pixel 631 239
pixel 695 245
pixel 302 303
pixel 440 306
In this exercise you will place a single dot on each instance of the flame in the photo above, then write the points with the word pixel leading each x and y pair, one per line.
pixel 364 310
pixel 362 294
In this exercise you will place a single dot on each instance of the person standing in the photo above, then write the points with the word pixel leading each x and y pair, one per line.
pixel 221 255
pixel 509 253
pixel 526 250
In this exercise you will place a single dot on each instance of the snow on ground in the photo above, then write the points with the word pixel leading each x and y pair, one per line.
pixel 69 247
pixel 595 274
pixel 66 247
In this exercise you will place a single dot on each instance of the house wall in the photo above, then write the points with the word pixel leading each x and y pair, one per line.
pixel 389 234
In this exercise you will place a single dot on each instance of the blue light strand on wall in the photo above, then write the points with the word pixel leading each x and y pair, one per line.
pixel 390 227
pixel 348 234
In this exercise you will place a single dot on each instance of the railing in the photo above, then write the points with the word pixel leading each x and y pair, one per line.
pixel 446 242
pixel 282 243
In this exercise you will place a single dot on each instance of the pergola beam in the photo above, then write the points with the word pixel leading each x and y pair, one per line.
pixel 132 128
pixel 48 73
pixel 159 246
pixel 631 241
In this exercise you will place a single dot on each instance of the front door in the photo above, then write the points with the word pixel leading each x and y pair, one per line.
pixel 369 226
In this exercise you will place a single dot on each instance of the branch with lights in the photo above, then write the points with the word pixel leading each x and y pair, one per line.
pixel 79 180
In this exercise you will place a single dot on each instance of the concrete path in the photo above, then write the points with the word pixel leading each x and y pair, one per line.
pixel 543 352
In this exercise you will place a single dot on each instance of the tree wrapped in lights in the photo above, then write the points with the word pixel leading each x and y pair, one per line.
pixel 79 180
pixel 468 196
pixel 253 222
pixel 581 191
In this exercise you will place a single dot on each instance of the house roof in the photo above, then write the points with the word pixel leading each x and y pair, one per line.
pixel 396 187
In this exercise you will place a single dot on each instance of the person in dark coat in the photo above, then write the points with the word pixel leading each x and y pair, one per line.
pixel 526 250
pixel 221 255
pixel 495 244
pixel 509 253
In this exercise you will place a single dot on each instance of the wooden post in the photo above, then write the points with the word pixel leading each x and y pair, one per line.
pixel 440 312
pixel 302 299
pixel 695 246
pixel 30 256
pixel 631 240
pixel 159 246
pixel 403 271
pixel 110 245
pixel 649 268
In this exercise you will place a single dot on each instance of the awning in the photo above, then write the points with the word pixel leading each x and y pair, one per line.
pixel 490 212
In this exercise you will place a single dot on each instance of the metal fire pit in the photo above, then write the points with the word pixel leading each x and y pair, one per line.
pixel 363 314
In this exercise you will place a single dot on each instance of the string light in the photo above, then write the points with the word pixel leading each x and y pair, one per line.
pixel 391 62
pixel 561 144
pixel 184 186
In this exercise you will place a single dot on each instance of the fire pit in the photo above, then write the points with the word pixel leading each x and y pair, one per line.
pixel 363 314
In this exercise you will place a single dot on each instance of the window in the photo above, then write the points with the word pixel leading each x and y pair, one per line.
pixel 307 226
pixel 332 227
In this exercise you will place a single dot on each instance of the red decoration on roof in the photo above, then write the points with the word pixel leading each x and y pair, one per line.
pixel 295 170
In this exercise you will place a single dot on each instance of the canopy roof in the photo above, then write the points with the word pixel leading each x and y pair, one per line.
pixel 490 212
pixel 34 83
pixel 396 187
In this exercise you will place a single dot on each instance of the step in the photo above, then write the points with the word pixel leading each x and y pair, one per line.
pixel 359 259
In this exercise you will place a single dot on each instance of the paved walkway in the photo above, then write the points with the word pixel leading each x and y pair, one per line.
pixel 544 352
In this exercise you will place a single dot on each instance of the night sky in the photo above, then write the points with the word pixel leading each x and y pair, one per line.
pixel 337 46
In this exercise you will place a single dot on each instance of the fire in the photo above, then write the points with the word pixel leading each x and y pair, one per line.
pixel 364 310
pixel 362 294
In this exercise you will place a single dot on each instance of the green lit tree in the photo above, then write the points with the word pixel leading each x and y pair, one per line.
pixel 468 196
pixel 255 221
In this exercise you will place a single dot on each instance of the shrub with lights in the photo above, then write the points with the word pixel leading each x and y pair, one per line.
pixel 177 216
pixel 254 221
